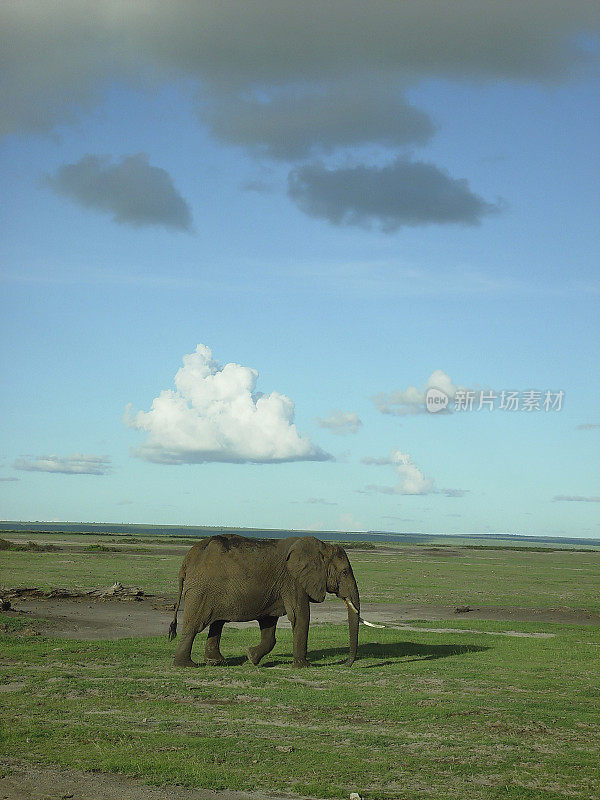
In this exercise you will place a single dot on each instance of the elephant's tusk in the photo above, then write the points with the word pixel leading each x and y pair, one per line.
pixel 370 624
pixel 351 605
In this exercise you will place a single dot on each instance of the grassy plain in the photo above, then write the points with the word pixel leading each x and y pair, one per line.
pixel 475 714
pixel 392 574
pixel 442 716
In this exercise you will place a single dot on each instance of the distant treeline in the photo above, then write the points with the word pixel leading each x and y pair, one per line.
pixel 195 531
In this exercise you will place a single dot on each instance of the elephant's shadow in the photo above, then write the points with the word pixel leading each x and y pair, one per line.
pixel 391 652
pixel 388 653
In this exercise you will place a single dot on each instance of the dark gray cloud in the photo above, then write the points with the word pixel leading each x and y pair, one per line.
pixel 132 190
pixel 76 464
pixel 285 80
pixel 58 57
pixel 399 194
pixel 281 41
pixel 293 124
pixel 575 498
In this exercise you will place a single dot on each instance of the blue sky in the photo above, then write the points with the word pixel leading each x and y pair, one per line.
pixel 343 214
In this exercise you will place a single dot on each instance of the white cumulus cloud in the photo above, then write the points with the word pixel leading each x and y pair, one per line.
pixel 412 480
pixel 214 414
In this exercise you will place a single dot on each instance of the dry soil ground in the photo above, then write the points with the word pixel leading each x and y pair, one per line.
pixel 20 780
pixel 83 618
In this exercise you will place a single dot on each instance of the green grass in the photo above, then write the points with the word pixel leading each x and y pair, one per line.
pixel 553 579
pixel 420 715
pixel 550 579
pixel 156 574
pixel 7 544
pixel 466 715
pixel 67 538
pixel 102 548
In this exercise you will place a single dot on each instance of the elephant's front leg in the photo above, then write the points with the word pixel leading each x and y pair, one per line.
pixel 267 639
pixel 300 619
pixel 212 654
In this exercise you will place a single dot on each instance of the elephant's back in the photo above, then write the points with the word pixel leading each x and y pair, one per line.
pixel 233 578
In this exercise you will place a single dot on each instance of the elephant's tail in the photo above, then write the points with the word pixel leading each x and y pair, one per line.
pixel 173 625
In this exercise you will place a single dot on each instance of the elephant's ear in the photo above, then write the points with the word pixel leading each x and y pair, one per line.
pixel 305 564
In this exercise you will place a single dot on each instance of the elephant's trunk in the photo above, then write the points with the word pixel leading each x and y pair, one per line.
pixel 353 605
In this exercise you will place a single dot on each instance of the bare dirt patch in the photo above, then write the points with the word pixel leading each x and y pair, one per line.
pixel 23 781
pixel 101 615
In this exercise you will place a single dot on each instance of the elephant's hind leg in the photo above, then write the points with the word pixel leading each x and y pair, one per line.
pixel 183 651
pixel 212 654
pixel 193 623
pixel 267 639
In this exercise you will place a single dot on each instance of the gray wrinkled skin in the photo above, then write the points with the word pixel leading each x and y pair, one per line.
pixel 229 578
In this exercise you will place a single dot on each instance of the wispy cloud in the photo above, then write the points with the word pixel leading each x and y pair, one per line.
pixel 575 498
pixel 376 461
pixel 454 492
pixel 411 479
pixel 341 422
pixel 132 190
pixel 348 522
pixel 412 400
pixel 588 426
pixel 76 464
pixel 366 278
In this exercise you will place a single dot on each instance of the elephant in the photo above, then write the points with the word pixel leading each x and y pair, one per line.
pixel 228 578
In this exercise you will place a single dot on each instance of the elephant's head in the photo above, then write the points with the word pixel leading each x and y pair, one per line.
pixel 322 567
